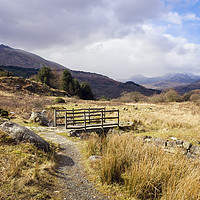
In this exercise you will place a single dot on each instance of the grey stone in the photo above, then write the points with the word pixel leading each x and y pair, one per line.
pixel 174 138
pixel 187 145
pixel 147 140
pixel 170 149
pixel 179 143
pixel 159 142
pixel 190 155
pixel 95 158
pixel 171 144
pixel 23 134
pixel 40 118
pixel 195 150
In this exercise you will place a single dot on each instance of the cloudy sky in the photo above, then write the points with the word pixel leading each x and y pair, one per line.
pixel 117 38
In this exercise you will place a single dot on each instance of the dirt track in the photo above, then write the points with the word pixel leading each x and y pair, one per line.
pixel 70 171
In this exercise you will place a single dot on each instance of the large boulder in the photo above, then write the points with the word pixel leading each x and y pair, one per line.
pixel 39 117
pixel 23 134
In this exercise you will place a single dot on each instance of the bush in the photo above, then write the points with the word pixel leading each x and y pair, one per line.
pixel 59 100
pixel 157 98
pixel 3 113
pixel 172 96
pixel 132 97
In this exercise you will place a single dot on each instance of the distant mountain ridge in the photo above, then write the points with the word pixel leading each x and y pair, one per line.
pixel 166 81
pixel 189 87
pixel 16 60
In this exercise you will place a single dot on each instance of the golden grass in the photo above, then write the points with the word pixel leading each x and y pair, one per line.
pixel 25 172
pixel 123 157
pixel 143 171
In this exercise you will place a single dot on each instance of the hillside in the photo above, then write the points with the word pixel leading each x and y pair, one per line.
pixel 26 86
pixel 22 63
pixel 166 81
pixel 189 87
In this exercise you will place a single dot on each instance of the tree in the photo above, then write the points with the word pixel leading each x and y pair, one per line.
pixel 77 88
pixel 86 92
pixel 44 75
pixel 68 82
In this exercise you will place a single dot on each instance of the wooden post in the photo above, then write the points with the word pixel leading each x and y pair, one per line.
pixel 89 115
pixel 66 120
pixel 55 124
pixel 73 115
pixel 85 125
pixel 104 114
pixel 102 119
pixel 118 117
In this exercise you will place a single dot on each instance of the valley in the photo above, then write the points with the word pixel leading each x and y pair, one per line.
pixel 156 145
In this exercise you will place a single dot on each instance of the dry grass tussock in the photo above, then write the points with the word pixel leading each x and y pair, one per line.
pixel 22 105
pixel 25 172
pixel 143 171
pixel 181 120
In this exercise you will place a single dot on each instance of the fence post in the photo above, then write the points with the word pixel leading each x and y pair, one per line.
pixel 55 124
pixel 66 120
pixel 73 115
pixel 104 115
pixel 85 125
pixel 102 118
pixel 89 115
pixel 118 117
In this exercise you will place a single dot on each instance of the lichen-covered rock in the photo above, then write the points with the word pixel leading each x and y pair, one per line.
pixel 187 145
pixel 39 117
pixel 195 150
pixel 23 134
pixel 159 142
pixel 171 144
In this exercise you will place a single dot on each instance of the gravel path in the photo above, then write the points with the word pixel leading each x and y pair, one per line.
pixel 70 170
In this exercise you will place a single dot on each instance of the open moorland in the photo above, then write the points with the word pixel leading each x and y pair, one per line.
pixel 127 167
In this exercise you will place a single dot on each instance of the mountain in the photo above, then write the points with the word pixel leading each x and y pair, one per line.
pixel 23 63
pixel 166 81
pixel 189 87
pixel 24 59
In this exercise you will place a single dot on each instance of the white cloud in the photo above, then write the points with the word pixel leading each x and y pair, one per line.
pixel 148 52
pixel 118 38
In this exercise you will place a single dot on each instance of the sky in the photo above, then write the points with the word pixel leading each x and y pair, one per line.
pixel 119 38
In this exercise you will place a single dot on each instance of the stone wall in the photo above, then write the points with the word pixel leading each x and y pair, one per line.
pixel 173 145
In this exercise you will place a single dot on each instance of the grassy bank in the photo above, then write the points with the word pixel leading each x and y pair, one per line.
pixel 25 172
pixel 135 170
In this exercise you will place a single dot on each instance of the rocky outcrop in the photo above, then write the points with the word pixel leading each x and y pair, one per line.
pixel 39 117
pixel 23 134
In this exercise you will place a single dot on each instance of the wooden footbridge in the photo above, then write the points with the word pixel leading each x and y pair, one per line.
pixel 86 119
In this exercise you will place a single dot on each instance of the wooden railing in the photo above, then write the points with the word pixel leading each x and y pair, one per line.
pixel 86 118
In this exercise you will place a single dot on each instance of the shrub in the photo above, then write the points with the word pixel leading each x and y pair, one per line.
pixel 157 98
pixel 3 113
pixel 132 97
pixel 172 96
pixel 59 100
